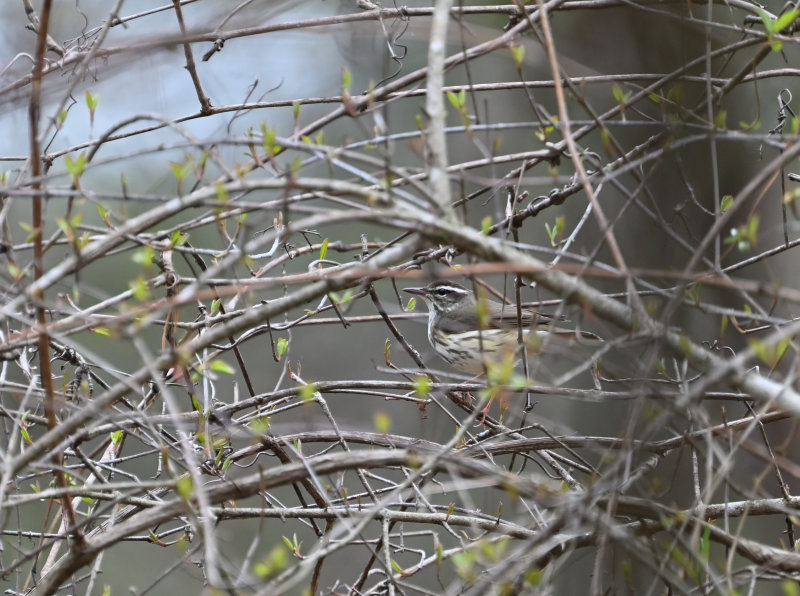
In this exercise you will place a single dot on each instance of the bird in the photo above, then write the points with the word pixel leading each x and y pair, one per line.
pixel 471 333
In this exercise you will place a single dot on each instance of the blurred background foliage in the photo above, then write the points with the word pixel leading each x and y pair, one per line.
pixel 277 88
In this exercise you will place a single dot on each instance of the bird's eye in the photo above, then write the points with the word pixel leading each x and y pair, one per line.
pixel 442 291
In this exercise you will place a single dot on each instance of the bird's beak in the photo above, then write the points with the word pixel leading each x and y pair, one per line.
pixel 417 291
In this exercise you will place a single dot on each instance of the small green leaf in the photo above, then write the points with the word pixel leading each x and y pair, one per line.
pixel 139 289
pixel 296 164
pixel 534 577
pixel 323 251
pixel 752 227
pixel 726 203
pixel 116 436
pixel 273 564
pixel 759 349
pixel 497 144
pixel 464 564
pixel 486 225
pixel 91 100
pixel 605 139
pixel 744 236
pixel 144 256
pixel 16 272
pixel 704 547
pixel 221 366
pixel 343 298
pixel 308 392
pixel 518 53
pixel 412 304
pixel 259 425
pixel 766 20
pixel 222 193
pixel 282 347
pixel 386 182
pixel 215 306
pixel 556 231
pixel 64 226
pixel 780 349
pixel 101 330
pixel 771 356
pixel 686 345
pixel 790 587
pixel 720 120
pixel 791 196
pixel 422 386
pixel 459 100
pixel 382 422
pixel 754 125
pixel 75 166
pixel 184 487
pixel 621 96
pixel 176 170
pixel 347 79
pixel 270 141
pixel 785 20
pixel 675 93
pixel 91 103
pixel 178 238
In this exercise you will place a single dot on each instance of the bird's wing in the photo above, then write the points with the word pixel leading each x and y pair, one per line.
pixel 574 333
pixel 507 318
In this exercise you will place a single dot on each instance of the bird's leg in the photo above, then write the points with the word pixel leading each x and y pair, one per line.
pixel 485 412
pixel 503 397
pixel 465 397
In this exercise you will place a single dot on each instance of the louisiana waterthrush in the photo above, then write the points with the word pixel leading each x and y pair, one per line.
pixel 470 333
